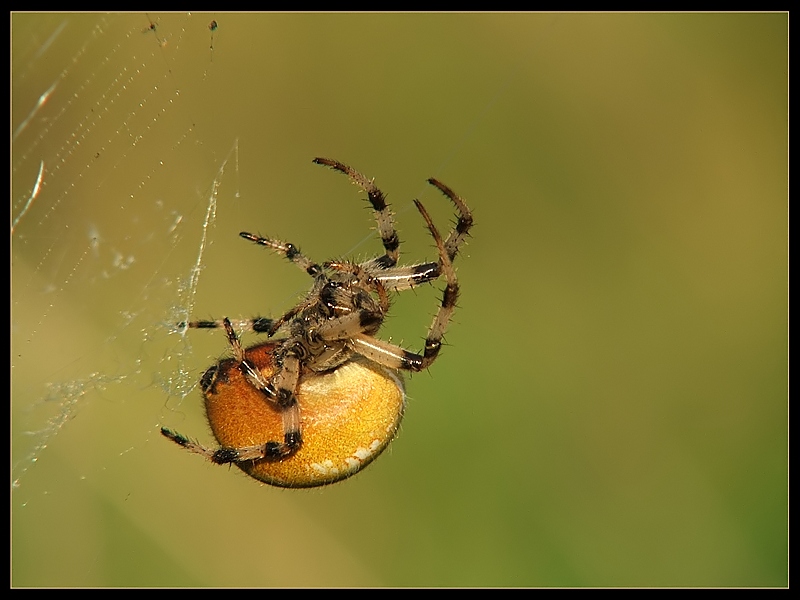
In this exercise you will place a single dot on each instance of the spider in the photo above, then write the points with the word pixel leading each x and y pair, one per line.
pixel 318 403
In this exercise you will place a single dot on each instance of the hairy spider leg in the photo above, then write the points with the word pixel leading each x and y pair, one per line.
pixel 280 391
pixel 383 215
pixel 394 356
pixel 403 278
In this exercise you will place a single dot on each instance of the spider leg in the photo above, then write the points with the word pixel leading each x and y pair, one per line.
pixel 383 216
pixel 281 392
pixel 290 251
pixel 396 357
pixel 433 342
pixel 399 279
pixel 220 455
pixel 460 232
pixel 255 325
pixel 342 328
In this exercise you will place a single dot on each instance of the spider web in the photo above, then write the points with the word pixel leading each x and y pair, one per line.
pixel 114 194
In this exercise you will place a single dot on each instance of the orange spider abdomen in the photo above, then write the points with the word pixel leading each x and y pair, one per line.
pixel 348 415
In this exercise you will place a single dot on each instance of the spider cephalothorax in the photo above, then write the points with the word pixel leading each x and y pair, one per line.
pixel 328 342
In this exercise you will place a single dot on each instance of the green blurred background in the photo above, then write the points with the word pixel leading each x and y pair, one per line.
pixel 612 407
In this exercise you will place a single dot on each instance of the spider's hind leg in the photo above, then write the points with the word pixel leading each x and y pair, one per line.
pixel 222 455
pixel 280 390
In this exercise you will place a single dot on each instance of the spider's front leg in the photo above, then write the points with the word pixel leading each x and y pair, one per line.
pixel 281 391
pixel 407 277
pixel 383 215
pixel 395 357
pixel 255 325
